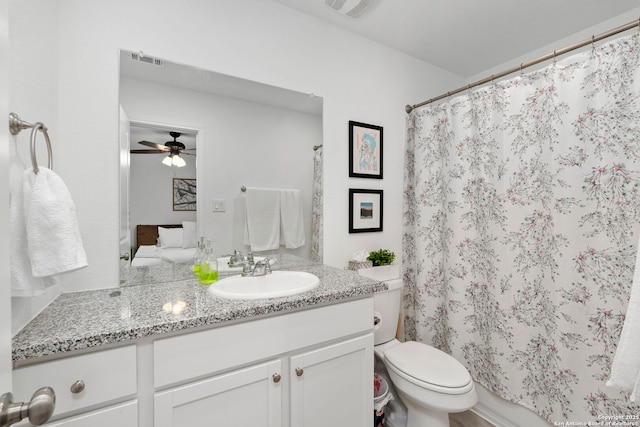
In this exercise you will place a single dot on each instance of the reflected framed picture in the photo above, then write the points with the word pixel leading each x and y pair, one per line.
pixel 365 210
pixel 184 194
pixel 365 150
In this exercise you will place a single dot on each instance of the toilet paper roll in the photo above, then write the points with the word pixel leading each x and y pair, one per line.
pixel 377 320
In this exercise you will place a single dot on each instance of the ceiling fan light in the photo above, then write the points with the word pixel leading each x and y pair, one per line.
pixel 168 160
pixel 179 161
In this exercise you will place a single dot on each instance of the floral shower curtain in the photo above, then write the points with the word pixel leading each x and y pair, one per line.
pixel 521 221
pixel 316 208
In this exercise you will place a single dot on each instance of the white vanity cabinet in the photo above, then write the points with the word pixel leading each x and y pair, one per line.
pixel 97 389
pixel 303 369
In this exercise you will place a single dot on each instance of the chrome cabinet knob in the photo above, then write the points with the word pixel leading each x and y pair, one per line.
pixel 38 410
pixel 77 387
pixel 125 256
pixel 376 320
pixel 299 372
pixel 276 378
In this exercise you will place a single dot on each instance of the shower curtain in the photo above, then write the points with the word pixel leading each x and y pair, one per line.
pixel 316 208
pixel 521 220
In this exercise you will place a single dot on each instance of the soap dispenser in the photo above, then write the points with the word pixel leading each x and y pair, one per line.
pixel 209 265
pixel 197 257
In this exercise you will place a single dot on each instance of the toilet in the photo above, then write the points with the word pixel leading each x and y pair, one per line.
pixel 429 382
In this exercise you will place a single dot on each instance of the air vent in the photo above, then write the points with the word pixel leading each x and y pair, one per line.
pixel 147 59
pixel 352 8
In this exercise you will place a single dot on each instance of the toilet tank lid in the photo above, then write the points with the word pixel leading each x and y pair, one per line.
pixel 428 364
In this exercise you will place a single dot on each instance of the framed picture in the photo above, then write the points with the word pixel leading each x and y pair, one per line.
pixel 365 210
pixel 184 194
pixel 365 150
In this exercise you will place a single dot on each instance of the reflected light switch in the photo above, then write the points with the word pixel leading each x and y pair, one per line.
pixel 218 205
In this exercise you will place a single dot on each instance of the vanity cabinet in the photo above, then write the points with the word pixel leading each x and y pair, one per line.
pixel 306 368
pixel 303 369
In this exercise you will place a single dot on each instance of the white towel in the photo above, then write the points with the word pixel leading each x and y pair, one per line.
pixel 23 284
pixel 625 371
pixel 53 236
pixel 292 216
pixel 263 218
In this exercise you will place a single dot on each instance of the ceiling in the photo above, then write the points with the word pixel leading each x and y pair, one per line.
pixel 467 37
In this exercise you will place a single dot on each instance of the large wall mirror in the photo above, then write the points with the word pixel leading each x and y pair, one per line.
pixel 228 134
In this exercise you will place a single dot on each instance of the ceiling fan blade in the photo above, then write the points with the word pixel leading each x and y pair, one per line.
pixel 154 145
pixel 188 154
pixel 148 151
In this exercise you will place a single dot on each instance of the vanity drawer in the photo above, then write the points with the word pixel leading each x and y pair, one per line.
pixel 107 376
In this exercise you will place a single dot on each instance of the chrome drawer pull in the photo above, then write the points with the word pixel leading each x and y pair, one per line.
pixel 299 372
pixel 77 387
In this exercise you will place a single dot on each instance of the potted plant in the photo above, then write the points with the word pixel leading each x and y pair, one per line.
pixel 381 257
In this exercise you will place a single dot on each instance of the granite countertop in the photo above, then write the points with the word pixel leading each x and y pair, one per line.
pixel 85 320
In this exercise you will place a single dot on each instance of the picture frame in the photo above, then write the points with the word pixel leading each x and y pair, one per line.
pixel 365 210
pixel 184 194
pixel 365 150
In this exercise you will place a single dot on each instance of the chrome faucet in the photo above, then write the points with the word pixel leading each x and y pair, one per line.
pixel 238 258
pixel 261 268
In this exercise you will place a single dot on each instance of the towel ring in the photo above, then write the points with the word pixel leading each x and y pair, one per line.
pixel 16 124
pixel 34 162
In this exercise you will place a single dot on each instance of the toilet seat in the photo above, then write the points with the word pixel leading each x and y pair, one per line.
pixel 428 367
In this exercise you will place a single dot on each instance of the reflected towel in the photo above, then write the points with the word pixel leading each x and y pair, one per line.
pixel 53 236
pixel 263 218
pixel 625 371
pixel 292 216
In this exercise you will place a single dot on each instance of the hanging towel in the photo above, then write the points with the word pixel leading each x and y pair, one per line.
pixel 263 218
pixel 23 284
pixel 625 371
pixel 292 217
pixel 53 237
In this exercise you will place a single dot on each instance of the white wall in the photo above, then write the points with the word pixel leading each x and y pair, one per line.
pixel 258 40
pixel 243 144
pixel 33 88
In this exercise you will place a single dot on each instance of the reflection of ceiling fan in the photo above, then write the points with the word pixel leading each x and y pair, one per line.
pixel 173 148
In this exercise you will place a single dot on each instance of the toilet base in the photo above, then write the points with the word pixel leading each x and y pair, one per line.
pixel 419 416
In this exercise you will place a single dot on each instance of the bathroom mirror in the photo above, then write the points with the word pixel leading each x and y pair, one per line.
pixel 242 134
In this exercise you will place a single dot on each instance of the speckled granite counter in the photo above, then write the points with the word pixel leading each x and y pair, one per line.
pixel 84 320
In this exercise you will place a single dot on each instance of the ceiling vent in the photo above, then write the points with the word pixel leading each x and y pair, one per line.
pixel 147 59
pixel 352 8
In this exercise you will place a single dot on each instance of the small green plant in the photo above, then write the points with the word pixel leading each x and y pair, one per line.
pixel 381 257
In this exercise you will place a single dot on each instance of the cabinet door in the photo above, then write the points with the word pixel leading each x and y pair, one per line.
pixel 333 385
pixel 125 415
pixel 246 397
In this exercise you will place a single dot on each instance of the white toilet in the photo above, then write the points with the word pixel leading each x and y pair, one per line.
pixel 430 382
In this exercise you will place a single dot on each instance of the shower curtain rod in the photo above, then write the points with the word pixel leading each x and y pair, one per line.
pixel 523 65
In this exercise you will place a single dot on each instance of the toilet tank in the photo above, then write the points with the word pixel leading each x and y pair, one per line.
pixel 386 303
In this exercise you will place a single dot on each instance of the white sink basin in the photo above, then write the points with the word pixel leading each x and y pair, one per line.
pixel 276 284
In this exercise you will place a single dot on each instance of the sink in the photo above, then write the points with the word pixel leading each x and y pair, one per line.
pixel 276 284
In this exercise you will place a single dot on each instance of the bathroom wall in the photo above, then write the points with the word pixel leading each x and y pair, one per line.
pixel 245 144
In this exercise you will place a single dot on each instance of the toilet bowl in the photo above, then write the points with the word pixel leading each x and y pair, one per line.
pixel 430 382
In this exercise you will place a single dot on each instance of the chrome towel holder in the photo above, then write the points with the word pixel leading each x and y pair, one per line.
pixel 16 124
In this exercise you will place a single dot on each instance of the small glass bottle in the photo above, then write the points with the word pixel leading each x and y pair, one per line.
pixel 208 266
pixel 197 257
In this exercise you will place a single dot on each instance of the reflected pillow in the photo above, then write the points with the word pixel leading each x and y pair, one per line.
pixel 170 237
pixel 190 234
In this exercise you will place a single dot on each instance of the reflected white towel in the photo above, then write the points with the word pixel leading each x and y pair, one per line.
pixel 292 216
pixel 263 218
pixel 23 284
pixel 625 371
pixel 53 236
